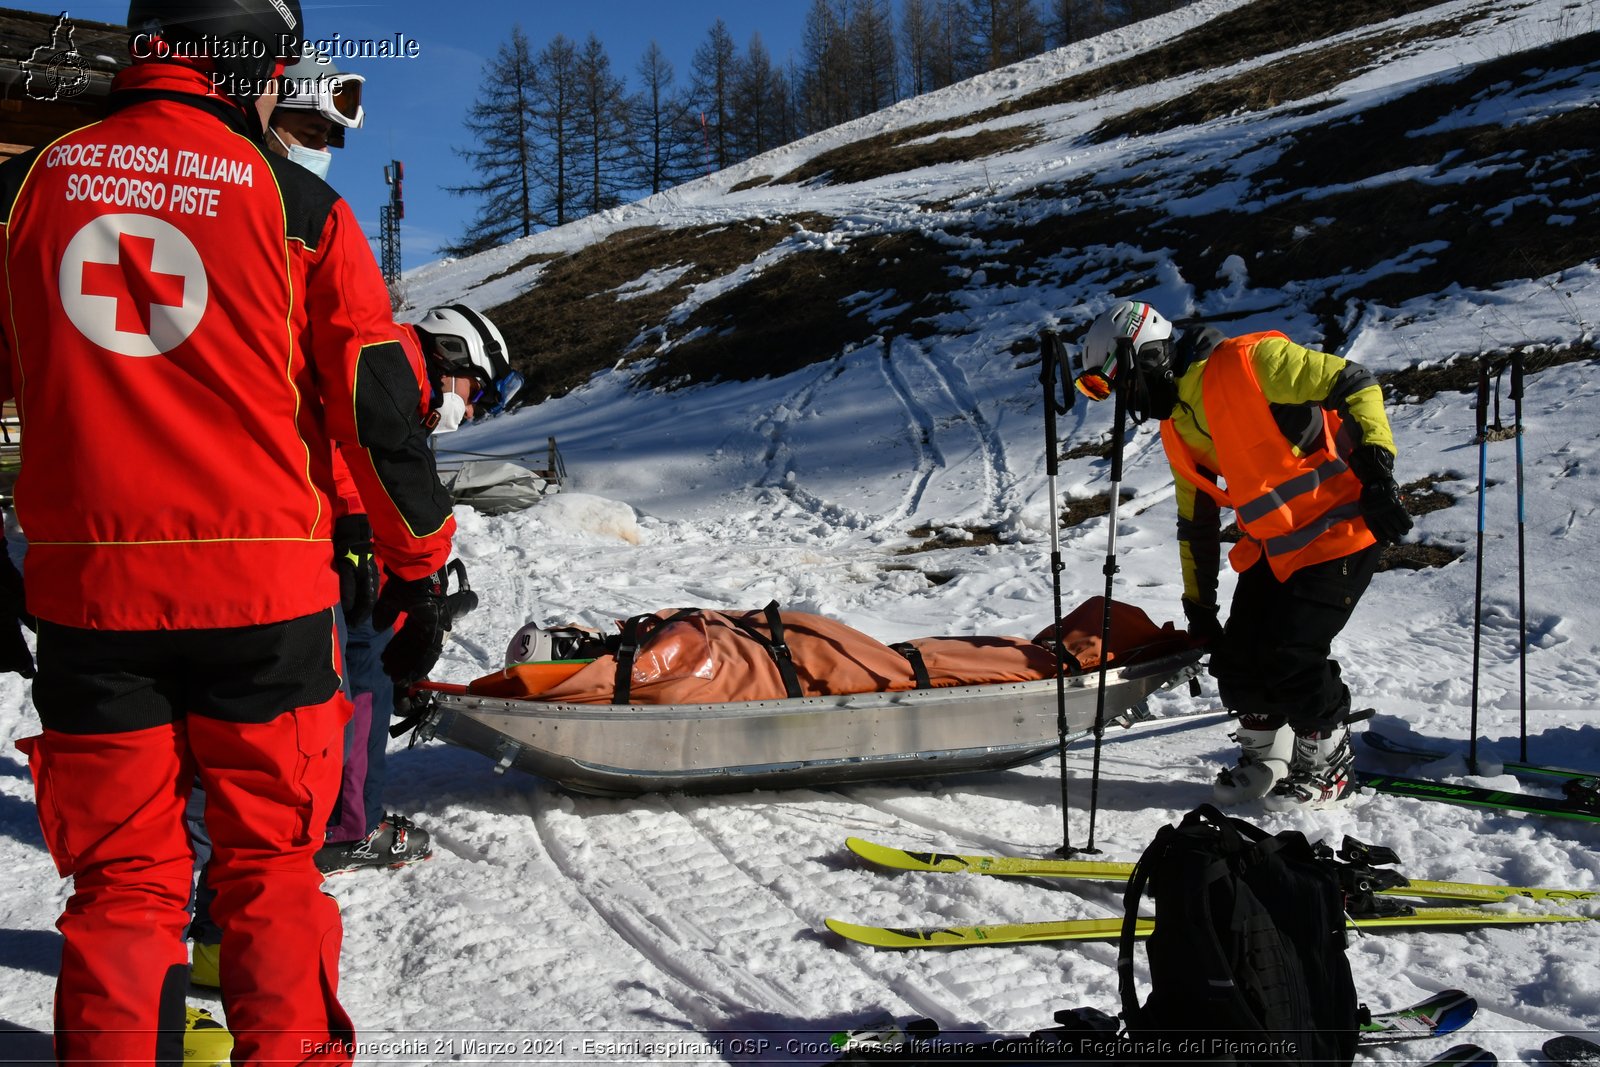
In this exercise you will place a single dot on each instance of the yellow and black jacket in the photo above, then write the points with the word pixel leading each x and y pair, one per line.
pixel 1265 426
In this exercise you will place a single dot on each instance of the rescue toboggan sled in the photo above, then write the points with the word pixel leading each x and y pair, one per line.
pixel 656 712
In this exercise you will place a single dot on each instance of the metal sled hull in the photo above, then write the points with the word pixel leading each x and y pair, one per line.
pixel 623 750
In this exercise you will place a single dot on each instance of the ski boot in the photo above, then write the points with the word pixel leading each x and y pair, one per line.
pixel 1321 774
pixel 206 1042
pixel 1263 760
pixel 205 966
pixel 396 842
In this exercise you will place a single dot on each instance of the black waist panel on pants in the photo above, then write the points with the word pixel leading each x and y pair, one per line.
pixel 114 681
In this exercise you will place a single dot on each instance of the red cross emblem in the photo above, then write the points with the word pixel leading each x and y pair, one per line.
pixel 133 284
pixel 135 278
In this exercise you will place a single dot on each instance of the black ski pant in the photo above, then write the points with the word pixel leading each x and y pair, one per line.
pixel 1273 660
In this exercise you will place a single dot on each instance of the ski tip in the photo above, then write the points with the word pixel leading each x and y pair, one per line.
pixel 1569 1051
pixel 879 855
pixel 859 846
pixel 1456 1015
pixel 875 936
pixel 1463 1056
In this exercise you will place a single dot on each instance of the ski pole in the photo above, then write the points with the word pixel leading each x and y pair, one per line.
pixel 1522 584
pixel 1052 362
pixel 1119 429
pixel 1477 592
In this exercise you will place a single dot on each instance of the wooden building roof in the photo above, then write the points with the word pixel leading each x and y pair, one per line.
pixel 55 74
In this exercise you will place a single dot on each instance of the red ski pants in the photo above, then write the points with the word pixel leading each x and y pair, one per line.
pixel 111 805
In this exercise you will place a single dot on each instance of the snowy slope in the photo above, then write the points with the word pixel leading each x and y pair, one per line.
pixel 552 928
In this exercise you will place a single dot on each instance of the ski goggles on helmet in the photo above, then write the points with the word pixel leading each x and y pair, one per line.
pixel 1096 382
pixel 454 357
pixel 336 97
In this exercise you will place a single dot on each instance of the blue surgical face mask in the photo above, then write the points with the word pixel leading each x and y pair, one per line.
pixel 316 162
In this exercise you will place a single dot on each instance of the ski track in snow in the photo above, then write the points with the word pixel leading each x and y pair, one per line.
pixel 939 409
pixel 966 409
pixel 650 896
pixel 920 435
pixel 939 985
pixel 782 882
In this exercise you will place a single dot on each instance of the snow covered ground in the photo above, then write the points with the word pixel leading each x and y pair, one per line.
pixel 555 928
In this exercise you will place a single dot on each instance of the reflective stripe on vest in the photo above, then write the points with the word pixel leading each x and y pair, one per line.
pixel 1270 501
pixel 1302 509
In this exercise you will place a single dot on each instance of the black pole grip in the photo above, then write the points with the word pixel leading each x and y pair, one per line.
pixel 1047 379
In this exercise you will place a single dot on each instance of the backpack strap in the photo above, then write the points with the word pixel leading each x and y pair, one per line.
pixel 1131 897
pixel 919 669
pixel 1235 837
pixel 1235 834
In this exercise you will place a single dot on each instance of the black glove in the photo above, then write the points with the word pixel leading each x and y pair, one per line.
pixel 357 569
pixel 14 655
pixel 429 612
pixel 413 651
pixel 1204 629
pixel 1381 505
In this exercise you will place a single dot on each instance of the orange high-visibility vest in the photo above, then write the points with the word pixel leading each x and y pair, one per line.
pixel 1297 509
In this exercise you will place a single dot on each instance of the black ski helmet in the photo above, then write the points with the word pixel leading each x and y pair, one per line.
pixel 244 39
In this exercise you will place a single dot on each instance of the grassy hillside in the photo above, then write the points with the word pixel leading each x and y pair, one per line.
pixel 1351 198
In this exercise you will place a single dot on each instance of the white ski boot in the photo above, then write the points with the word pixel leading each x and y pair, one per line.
pixel 1321 774
pixel 1263 759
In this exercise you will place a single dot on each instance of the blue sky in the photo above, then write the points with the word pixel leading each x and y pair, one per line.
pixel 415 106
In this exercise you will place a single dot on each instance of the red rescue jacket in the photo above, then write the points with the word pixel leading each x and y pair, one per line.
pixel 189 323
pixel 1297 508
pixel 347 499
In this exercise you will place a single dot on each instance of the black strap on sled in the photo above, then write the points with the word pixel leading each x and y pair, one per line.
pixel 776 647
pixel 628 649
pixel 919 669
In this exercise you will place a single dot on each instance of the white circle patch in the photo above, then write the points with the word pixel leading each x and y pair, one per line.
pixel 133 284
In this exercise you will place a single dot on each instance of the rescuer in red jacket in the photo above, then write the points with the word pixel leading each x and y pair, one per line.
pixel 180 569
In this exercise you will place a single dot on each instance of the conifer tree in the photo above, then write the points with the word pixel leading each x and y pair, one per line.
pixel 827 68
pixel 876 80
pixel 555 125
pixel 714 69
pixel 949 51
pixel 665 126
pixel 600 131
pixel 760 111
pixel 501 156
pixel 1003 31
pixel 917 38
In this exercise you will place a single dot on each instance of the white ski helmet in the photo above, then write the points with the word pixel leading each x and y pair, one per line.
pixel 315 84
pixel 539 644
pixel 465 342
pixel 531 644
pixel 1135 336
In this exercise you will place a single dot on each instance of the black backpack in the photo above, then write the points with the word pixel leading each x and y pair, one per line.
pixel 1247 959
